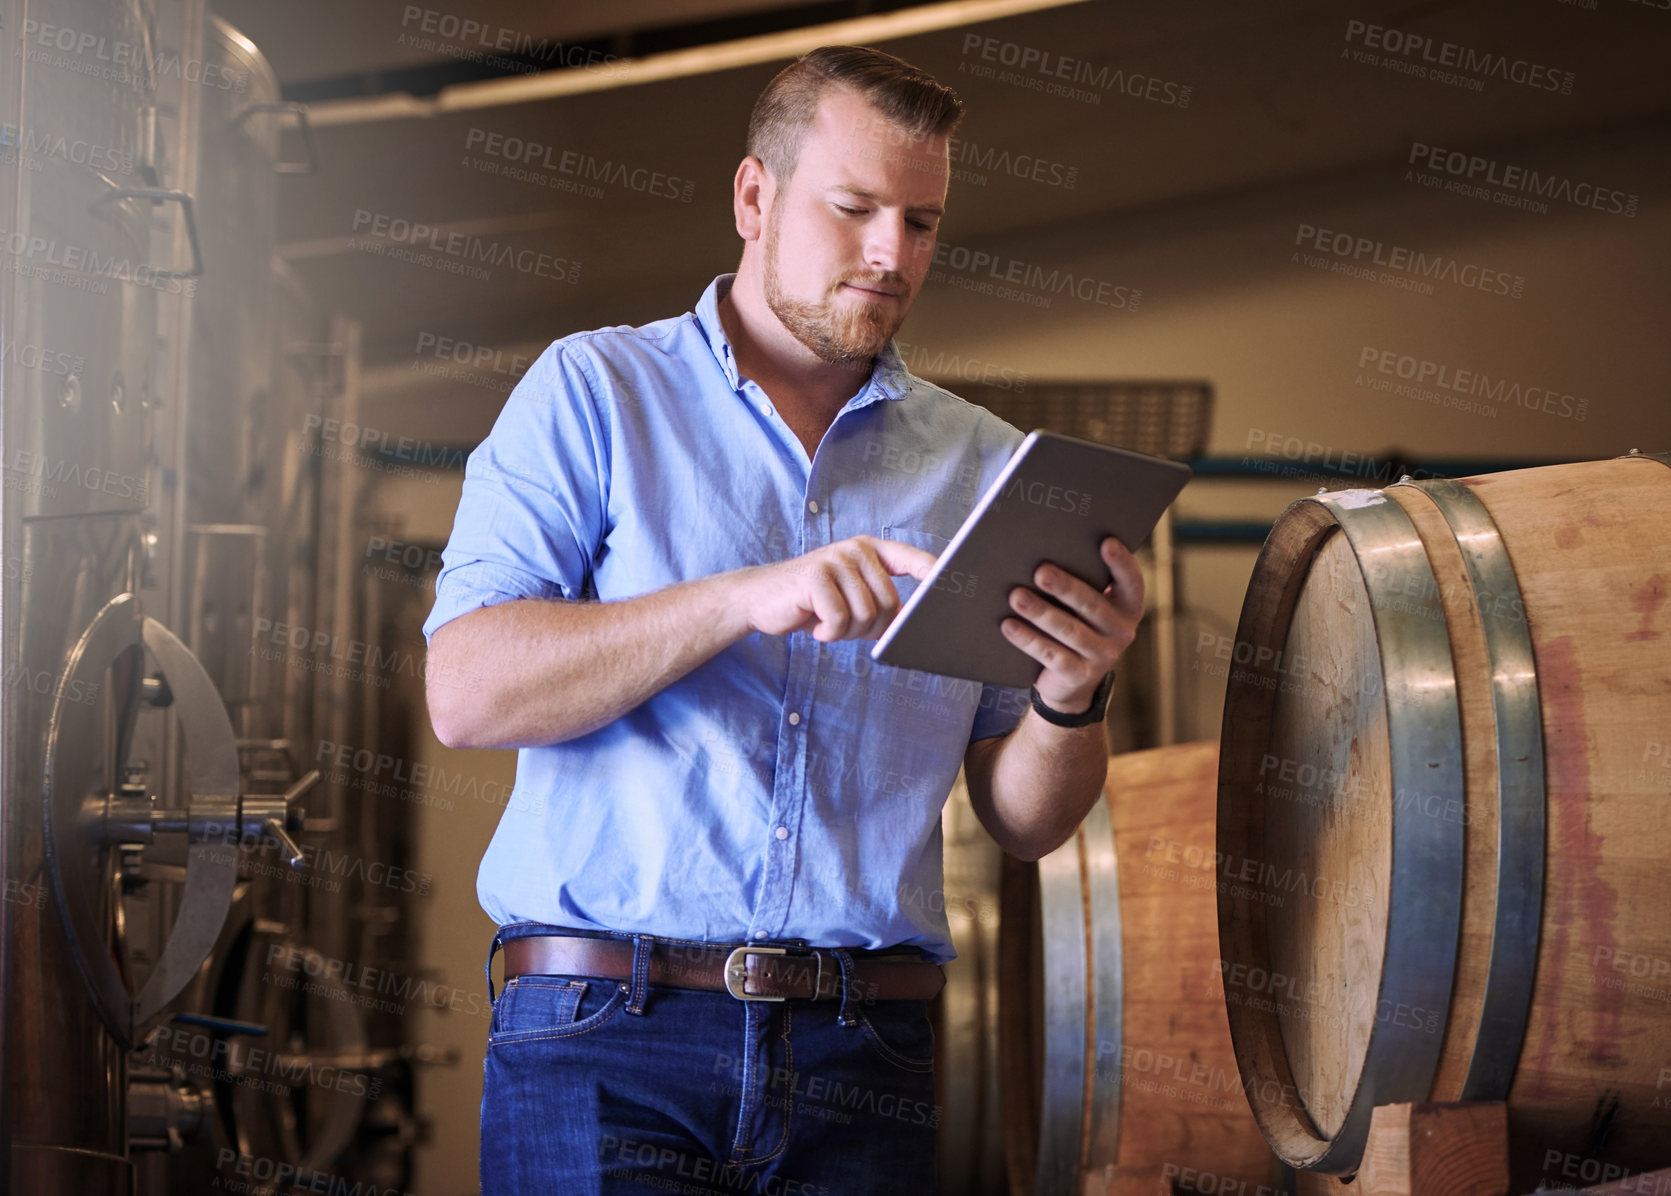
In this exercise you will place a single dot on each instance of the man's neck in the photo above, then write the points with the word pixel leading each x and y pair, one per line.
pixel 808 390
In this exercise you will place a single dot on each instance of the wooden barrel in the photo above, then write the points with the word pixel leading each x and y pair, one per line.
pixel 1443 824
pixel 1115 1054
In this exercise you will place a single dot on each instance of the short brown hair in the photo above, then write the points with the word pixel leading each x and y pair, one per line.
pixel 906 96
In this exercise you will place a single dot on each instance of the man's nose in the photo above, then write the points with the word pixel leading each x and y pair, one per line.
pixel 887 244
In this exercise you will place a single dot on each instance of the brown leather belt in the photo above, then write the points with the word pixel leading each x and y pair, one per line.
pixel 753 973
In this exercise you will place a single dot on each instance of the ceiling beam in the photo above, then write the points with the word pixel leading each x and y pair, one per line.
pixel 675 64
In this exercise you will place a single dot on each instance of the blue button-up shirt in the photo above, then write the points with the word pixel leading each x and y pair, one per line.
pixel 786 789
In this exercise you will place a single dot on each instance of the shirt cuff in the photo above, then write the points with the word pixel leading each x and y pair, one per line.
pixel 464 588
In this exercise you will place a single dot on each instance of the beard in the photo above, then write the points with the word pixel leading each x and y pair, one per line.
pixel 841 334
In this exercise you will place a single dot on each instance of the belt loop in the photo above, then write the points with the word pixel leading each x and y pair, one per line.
pixel 488 970
pixel 640 972
pixel 843 1017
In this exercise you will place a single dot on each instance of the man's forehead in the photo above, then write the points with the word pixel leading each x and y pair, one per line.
pixel 853 145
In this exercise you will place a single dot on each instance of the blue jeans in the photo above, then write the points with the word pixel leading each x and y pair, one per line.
pixel 702 1094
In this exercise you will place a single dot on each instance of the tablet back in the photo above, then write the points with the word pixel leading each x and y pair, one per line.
pixel 1056 499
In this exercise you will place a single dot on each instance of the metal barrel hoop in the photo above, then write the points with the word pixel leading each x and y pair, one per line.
pixel 1424 906
pixel 1518 716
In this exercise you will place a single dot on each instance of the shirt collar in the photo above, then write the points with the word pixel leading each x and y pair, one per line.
pixel 889 378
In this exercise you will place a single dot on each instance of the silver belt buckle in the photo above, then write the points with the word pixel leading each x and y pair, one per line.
pixel 736 972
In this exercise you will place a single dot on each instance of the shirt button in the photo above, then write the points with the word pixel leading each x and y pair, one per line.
pixel 813 506
pixel 782 833
pixel 794 719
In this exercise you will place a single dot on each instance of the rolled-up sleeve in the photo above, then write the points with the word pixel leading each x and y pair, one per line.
pixel 1001 708
pixel 533 511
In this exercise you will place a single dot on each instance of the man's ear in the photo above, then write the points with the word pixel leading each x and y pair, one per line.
pixel 751 196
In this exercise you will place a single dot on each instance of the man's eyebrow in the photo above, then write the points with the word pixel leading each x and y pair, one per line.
pixel 861 193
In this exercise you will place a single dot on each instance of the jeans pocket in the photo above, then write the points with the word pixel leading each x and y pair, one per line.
pixel 901 1033
pixel 541 1007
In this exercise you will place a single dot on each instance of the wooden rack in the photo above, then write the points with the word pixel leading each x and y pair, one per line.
pixel 1413 1150
pixel 1450 1150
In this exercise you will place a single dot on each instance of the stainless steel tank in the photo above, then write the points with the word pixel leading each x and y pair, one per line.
pixel 128 877
pixel 163 391
pixel 79 339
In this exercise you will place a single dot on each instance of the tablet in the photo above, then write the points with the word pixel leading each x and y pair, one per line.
pixel 1056 500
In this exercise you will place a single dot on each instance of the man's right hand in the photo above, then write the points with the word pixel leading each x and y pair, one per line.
pixel 535 672
pixel 839 592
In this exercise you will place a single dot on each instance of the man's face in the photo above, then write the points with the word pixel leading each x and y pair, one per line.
pixel 850 236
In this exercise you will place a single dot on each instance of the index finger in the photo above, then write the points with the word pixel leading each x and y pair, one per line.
pixel 900 559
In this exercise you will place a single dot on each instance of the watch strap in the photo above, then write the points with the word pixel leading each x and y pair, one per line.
pixel 1092 714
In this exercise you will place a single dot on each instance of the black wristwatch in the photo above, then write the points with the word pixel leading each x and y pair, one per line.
pixel 1098 707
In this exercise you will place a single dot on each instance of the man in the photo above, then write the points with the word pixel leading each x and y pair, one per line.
pixel 667 561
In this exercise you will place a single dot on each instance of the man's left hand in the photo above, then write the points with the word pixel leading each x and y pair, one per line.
pixel 1079 645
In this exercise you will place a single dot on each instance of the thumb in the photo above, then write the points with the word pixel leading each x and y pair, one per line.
pixel 901 559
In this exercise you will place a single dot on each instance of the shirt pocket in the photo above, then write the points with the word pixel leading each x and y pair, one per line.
pixel 916 538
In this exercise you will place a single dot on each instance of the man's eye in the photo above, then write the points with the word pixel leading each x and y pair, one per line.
pixel 921 226
pixel 849 211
